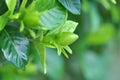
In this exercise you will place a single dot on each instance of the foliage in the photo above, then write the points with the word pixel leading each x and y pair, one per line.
pixel 49 29
pixel 40 24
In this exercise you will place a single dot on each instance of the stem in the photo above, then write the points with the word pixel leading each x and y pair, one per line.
pixel 23 5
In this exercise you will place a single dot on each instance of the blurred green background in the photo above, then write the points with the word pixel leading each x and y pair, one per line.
pixel 96 54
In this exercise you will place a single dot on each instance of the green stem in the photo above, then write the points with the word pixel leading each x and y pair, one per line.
pixel 22 7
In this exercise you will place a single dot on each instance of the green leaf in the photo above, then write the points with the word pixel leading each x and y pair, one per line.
pixel 113 1
pixel 54 17
pixel 40 49
pixel 69 26
pixel 3 7
pixel 4 20
pixel 14 46
pixel 93 65
pixel 71 5
pixel 42 5
pixel 94 17
pixel 2 59
pixel 55 65
pixel 11 5
pixel 101 36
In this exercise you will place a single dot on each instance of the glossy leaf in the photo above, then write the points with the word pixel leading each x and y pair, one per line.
pixel 41 51
pixel 42 5
pixel 72 5
pixel 14 46
pixel 54 17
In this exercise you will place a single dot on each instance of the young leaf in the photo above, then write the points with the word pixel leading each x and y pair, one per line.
pixel 71 5
pixel 14 46
pixel 69 26
pixel 54 17
pixel 11 5
pixel 40 49
pixel 4 20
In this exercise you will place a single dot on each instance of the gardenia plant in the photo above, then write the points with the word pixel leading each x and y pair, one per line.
pixel 26 24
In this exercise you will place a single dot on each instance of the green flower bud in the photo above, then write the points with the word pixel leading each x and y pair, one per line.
pixel 31 19
pixel 66 38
